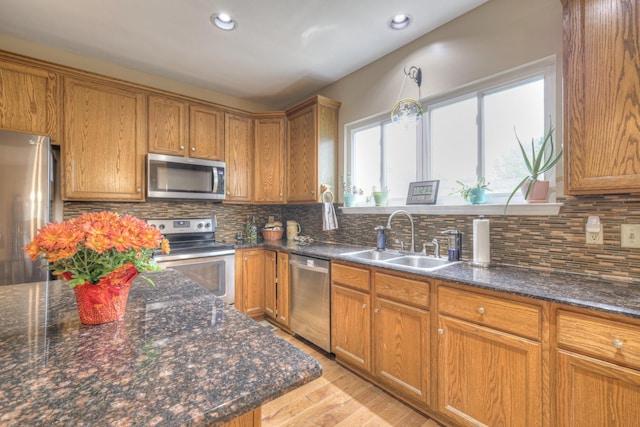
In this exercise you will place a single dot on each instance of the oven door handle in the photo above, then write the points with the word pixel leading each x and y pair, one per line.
pixel 164 258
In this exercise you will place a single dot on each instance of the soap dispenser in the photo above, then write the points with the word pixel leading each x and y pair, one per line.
pixel 454 238
pixel 381 239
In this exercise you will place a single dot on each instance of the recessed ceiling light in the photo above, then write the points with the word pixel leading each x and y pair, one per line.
pixel 224 21
pixel 399 22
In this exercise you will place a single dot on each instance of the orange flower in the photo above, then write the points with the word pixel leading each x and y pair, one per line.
pixel 165 246
pixel 98 242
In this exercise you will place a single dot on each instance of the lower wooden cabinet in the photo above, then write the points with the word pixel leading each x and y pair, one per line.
pixel 250 282
pixel 598 370
pixel 351 326
pixel 277 286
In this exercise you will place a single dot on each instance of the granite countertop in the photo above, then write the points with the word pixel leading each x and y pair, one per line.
pixel 179 357
pixel 606 295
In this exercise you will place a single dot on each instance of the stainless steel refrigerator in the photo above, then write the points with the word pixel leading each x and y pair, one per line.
pixel 25 178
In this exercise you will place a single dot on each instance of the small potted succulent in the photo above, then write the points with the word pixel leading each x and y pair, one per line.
pixel 534 189
pixel 350 191
pixel 476 195
pixel 380 198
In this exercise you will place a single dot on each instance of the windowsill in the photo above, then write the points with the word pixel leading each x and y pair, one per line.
pixel 524 209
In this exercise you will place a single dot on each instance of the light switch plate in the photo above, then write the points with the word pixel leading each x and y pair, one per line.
pixel 630 236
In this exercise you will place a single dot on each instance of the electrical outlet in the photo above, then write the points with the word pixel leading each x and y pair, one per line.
pixel 594 237
pixel 630 236
pixel 271 218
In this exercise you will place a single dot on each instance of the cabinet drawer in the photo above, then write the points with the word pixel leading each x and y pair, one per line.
pixel 351 276
pixel 509 316
pixel 602 338
pixel 400 289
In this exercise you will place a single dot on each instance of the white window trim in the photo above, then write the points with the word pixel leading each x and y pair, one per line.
pixel 545 66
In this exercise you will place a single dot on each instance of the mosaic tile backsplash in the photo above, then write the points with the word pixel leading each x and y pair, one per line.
pixel 550 242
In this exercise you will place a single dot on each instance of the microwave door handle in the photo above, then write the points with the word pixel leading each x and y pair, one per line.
pixel 215 180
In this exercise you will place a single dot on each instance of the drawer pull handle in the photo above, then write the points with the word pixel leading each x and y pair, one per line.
pixel 480 310
pixel 617 343
pixel 441 331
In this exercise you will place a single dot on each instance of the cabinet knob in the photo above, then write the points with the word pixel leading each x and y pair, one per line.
pixel 193 148
pixel 377 310
pixel 313 192
pixel 280 194
pixel 364 305
pixel 138 190
pixel 480 310
pixel 182 147
pixel 441 331
pixel 617 343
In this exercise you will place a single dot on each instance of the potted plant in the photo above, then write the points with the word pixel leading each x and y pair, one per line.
pixel 537 163
pixel 350 191
pixel 380 198
pixel 99 254
pixel 476 195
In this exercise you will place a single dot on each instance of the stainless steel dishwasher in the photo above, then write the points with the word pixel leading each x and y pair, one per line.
pixel 310 295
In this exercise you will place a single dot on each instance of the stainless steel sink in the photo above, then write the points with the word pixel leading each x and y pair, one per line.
pixel 373 255
pixel 421 262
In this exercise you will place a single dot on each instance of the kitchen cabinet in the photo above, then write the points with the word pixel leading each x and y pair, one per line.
pixel 269 158
pixel 401 343
pixel 490 359
pixel 598 370
pixel 601 89
pixel 179 128
pixel 104 141
pixel 29 99
pixel 277 286
pixel 238 136
pixel 351 315
pixel 250 282
pixel 312 138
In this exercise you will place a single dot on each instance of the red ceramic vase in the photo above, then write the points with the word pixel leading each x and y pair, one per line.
pixel 105 301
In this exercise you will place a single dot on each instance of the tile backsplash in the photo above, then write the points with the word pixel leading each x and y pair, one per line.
pixel 549 242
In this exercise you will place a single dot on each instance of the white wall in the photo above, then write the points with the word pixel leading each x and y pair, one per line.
pixel 497 36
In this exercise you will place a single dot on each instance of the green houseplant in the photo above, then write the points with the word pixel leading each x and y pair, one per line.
pixel 473 194
pixel 537 163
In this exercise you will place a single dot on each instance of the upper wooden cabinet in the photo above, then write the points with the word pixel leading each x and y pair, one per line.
pixel 104 141
pixel 29 99
pixel 602 96
pixel 178 128
pixel 311 148
pixel 238 136
pixel 269 158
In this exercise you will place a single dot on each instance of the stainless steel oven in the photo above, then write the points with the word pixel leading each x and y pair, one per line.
pixel 195 252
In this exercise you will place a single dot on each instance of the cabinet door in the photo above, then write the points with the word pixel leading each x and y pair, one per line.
pixel 270 279
pixel 283 290
pixel 401 348
pixel 595 393
pixel 302 163
pixel 486 377
pixel 238 137
pixel 28 100
pixel 351 327
pixel 206 133
pixel 168 126
pixel 601 87
pixel 104 142
pixel 253 269
pixel 269 160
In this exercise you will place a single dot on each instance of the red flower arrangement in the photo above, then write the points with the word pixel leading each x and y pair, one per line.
pixel 88 248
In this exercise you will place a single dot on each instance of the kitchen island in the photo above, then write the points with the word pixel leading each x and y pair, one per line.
pixel 178 357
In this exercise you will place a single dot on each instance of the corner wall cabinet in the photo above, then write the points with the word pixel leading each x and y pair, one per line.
pixel 312 140
pixel 238 136
pixel 268 179
pixel 602 96
pixel 104 141
pixel 29 99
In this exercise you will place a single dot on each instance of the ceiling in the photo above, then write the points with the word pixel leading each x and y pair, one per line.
pixel 282 50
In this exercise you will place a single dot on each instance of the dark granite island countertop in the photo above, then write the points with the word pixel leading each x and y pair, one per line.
pixel 179 357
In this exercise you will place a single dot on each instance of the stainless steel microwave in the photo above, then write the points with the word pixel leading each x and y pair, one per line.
pixel 172 177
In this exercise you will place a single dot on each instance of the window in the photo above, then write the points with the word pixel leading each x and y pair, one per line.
pixel 465 135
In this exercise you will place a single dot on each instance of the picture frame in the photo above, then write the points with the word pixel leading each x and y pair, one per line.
pixel 423 192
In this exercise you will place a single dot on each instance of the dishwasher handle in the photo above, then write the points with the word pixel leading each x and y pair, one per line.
pixel 309 267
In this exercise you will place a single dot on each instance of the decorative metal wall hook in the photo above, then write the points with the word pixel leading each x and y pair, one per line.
pixel 414 74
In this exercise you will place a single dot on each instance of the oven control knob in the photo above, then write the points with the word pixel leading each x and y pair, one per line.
pixel 199 225
pixel 207 225
pixel 161 226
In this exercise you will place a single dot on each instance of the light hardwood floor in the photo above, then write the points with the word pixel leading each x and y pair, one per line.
pixel 338 398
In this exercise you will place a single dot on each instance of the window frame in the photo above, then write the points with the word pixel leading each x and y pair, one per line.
pixel 545 68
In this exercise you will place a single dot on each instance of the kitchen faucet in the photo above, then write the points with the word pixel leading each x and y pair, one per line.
pixel 408 215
